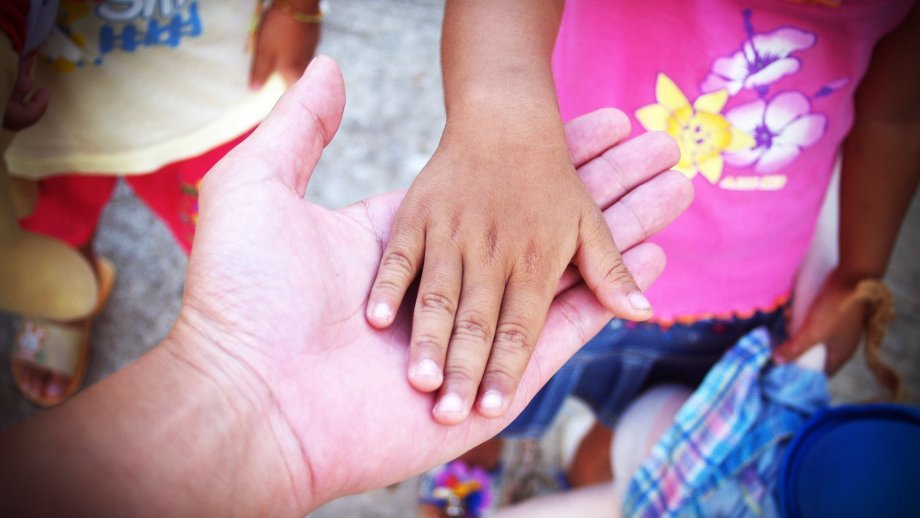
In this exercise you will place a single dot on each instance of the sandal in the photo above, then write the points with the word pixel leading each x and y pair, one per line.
pixel 59 347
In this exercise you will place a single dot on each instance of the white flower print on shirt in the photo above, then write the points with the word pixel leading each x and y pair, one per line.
pixel 781 127
pixel 763 59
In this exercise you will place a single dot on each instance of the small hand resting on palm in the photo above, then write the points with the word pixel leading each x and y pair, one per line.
pixel 272 393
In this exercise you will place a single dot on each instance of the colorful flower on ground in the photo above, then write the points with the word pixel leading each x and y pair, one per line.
pixel 702 133
pixel 782 128
pixel 763 59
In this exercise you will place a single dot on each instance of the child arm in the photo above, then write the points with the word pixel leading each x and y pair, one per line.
pixel 881 171
pixel 286 40
pixel 26 103
pixel 496 215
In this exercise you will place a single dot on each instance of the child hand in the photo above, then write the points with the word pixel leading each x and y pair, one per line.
pixel 495 223
pixel 831 321
pixel 25 106
pixel 284 44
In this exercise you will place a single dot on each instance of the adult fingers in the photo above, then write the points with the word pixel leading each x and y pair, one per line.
pixel 648 208
pixel 593 133
pixel 620 169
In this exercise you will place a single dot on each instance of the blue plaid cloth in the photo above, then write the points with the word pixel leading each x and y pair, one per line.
pixel 723 453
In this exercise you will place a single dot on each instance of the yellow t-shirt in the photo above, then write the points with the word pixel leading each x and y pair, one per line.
pixel 138 84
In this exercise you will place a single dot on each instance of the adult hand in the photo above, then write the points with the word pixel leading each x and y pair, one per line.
pixel 280 294
pixel 272 394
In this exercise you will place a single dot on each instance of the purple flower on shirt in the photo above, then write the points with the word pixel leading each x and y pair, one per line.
pixel 764 58
pixel 781 127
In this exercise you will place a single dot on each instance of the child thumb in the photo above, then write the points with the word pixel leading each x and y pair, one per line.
pixel 604 271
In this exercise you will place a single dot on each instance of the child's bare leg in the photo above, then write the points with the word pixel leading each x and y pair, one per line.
pixel 487 455
pixel 641 426
pixel 591 463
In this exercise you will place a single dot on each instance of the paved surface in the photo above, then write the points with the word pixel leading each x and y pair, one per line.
pixel 389 55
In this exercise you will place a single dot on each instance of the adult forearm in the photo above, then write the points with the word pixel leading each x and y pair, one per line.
pixel 160 438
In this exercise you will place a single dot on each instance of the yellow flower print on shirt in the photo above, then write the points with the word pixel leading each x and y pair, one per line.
pixel 700 130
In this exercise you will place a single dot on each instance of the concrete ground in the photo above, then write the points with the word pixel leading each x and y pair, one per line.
pixel 388 52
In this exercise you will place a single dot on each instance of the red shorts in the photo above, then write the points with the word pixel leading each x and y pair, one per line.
pixel 69 206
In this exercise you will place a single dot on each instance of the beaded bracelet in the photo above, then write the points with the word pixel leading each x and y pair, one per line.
pixel 298 15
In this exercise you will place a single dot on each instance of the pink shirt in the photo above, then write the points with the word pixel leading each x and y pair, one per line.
pixel 759 96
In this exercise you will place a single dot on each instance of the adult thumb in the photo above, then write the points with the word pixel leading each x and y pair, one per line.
pixel 302 123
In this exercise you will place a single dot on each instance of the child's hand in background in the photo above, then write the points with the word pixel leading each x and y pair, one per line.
pixel 496 220
pixel 286 40
pixel 26 104
pixel 835 319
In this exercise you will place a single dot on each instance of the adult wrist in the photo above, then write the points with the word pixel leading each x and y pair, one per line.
pixel 253 457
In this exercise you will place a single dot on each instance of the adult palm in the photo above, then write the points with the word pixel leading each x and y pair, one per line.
pixel 278 286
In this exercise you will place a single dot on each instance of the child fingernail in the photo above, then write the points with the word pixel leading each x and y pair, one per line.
pixel 381 312
pixel 427 369
pixel 491 400
pixel 449 404
pixel 638 301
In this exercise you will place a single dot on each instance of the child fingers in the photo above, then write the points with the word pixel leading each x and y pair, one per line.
pixel 291 67
pixel 603 270
pixel 619 170
pixel 470 341
pixel 401 262
pixel 21 115
pixel 263 62
pixel 433 320
pixel 524 307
